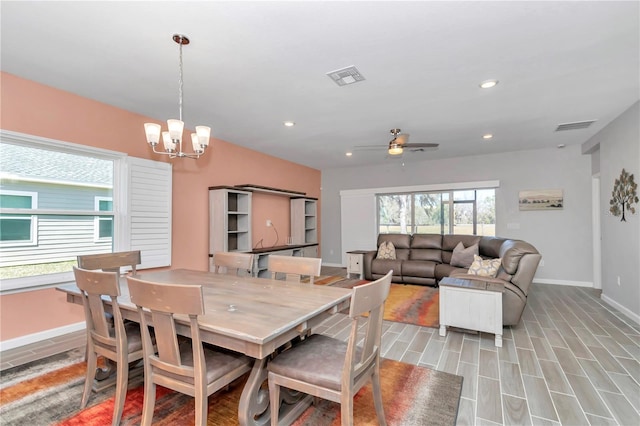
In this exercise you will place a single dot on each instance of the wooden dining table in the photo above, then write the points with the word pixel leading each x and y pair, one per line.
pixel 254 316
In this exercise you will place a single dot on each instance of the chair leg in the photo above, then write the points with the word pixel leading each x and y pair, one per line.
pixel 202 403
pixel 346 409
pixel 274 401
pixel 92 364
pixel 377 398
pixel 149 401
pixel 122 380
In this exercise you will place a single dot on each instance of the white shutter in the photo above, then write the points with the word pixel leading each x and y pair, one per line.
pixel 149 211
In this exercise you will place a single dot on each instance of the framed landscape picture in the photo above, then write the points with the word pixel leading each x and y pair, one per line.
pixel 541 199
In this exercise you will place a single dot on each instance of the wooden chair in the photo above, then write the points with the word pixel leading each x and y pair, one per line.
pixel 111 262
pixel 232 263
pixel 294 267
pixel 183 365
pixel 332 369
pixel 120 342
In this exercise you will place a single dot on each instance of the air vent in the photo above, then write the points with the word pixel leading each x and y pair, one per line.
pixel 346 76
pixel 575 125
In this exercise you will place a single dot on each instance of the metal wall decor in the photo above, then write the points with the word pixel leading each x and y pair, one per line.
pixel 624 195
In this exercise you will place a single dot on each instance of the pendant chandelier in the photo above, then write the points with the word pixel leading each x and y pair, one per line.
pixel 172 139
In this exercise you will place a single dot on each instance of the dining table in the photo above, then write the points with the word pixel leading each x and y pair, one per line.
pixel 253 316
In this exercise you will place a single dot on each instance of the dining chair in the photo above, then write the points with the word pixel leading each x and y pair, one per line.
pixel 120 342
pixel 331 369
pixel 111 262
pixel 294 267
pixel 232 263
pixel 184 365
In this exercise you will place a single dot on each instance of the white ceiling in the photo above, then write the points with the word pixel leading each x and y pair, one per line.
pixel 252 65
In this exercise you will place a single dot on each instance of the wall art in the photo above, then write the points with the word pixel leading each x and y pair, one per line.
pixel 624 195
pixel 541 199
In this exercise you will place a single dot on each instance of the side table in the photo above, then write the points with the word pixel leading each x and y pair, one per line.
pixel 471 304
pixel 354 263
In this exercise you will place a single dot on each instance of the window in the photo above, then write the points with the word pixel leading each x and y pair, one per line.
pixel 61 200
pixel 103 224
pixel 17 228
pixel 469 212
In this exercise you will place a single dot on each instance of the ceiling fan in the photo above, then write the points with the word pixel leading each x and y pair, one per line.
pixel 399 143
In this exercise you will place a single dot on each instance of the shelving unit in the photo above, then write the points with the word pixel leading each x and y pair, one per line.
pixel 229 219
pixel 230 224
pixel 304 222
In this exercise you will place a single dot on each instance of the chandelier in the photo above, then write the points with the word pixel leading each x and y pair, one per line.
pixel 172 139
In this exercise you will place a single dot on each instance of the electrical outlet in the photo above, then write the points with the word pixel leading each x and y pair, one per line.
pixel 269 222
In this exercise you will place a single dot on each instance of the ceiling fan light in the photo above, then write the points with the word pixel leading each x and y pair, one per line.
pixel 395 149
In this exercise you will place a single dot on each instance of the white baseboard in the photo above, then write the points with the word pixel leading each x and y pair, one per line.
pixel 563 282
pixel 40 336
pixel 336 265
pixel 631 315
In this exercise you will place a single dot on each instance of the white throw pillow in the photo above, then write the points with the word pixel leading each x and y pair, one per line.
pixel 484 268
pixel 386 251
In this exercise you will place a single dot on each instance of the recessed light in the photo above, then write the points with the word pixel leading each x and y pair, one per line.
pixel 289 123
pixel 349 154
pixel 488 84
pixel 487 136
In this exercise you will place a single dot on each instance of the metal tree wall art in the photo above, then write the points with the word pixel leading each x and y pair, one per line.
pixel 624 195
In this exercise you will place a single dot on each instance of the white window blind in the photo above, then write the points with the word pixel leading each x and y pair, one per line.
pixel 149 211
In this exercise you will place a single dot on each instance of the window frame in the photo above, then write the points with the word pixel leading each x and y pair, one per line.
pixel 129 232
pixel 33 240
pixel 451 202
pixel 99 219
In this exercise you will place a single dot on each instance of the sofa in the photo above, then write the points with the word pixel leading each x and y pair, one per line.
pixel 425 259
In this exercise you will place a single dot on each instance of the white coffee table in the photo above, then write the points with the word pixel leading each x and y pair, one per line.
pixel 472 305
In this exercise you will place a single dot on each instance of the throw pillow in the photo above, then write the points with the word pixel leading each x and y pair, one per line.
pixel 484 267
pixel 463 257
pixel 386 251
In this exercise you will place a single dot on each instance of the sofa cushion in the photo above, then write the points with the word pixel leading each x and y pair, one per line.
pixel 490 246
pixel 386 251
pixel 418 268
pixel 444 270
pixel 484 267
pixel 426 241
pixel 463 257
pixel 401 242
pixel 382 266
pixel 512 251
pixel 450 241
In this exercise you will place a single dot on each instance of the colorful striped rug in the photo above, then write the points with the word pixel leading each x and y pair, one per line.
pixel 40 394
pixel 410 304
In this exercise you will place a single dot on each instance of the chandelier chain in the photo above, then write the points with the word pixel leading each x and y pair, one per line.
pixel 180 84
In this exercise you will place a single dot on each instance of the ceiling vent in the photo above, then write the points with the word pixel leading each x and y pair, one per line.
pixel 346 76
pixel 575 125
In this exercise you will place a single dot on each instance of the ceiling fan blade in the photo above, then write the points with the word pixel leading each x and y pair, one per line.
pixel 402 139
pixel 421 145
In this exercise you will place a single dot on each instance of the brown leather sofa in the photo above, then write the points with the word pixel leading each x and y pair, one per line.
pixel 425 259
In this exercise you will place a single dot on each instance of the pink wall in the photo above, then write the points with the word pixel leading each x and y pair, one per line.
pixel 34 109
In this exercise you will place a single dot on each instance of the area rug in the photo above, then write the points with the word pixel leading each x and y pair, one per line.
pixel 410 304
pixel 325 279
pixel 48 392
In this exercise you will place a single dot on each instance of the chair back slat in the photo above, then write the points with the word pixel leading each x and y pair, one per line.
pixel 294 267
pixel 232 263
pixel 93 285
pixel 367 299
pixel 165 300
pixel 111 262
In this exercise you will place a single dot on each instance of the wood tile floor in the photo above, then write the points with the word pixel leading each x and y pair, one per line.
pixel 572 360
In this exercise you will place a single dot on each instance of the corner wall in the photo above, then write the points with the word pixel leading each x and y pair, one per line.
pixel 620 148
